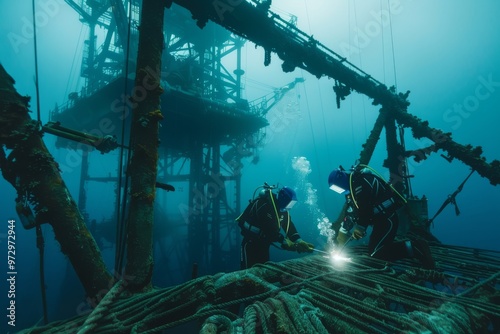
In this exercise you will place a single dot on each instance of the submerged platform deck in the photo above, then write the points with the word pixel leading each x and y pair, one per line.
pixel 313 294
pixel 188 117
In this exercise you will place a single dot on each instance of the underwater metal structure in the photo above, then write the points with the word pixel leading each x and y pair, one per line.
pixel 208 127
pixel 254 21
pixel 201 96
pixel 311 294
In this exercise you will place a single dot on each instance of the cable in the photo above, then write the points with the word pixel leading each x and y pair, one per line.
pixel 321 104
pixel 354 149
pixel 39 236
pixel 40 244
pixel 392 43
pixel 383 43
pixel 356 24
pixel 36 66
pixel 360 65
pixel 77 51
pixel 120 207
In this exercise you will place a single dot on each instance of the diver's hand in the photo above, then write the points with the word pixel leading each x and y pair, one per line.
pixel 287 244
pixel 359 232
pixel 342 238
pixel 303 247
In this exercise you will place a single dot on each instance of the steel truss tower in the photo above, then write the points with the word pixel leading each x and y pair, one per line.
pixel 208 127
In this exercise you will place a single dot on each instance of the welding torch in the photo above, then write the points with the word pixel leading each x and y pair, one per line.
pixel 339 252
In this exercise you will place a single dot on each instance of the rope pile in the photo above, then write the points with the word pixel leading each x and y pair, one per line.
pixel 313 295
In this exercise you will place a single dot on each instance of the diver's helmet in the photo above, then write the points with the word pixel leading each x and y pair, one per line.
pixel 286 198
pixel 338 180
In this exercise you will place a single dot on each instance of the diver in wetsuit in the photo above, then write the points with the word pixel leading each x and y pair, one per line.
pixel 262 222
pixel 372 201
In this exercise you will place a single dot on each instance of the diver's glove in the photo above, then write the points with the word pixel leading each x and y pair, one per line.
pixel 288 244
pixel 359 232
pixel 303 247
pixel 342 238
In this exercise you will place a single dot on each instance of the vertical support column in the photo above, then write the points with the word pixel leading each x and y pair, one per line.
pixel 90 60
pixel 369 147
pixel 237 188
pixel 197 204
pixel 394 161
pixel 216 191
pixel 396 164
pixel 235 229
pixel 238 71
pixel 82 194
pixel 144 143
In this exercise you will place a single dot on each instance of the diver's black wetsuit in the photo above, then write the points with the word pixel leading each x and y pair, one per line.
pixel 260 227
pixel 376 205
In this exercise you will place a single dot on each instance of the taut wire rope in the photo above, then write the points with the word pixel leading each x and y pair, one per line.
pixel 39 235
pixel 392 44
pixel 122 203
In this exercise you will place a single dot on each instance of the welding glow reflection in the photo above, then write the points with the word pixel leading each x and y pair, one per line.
pixel 337 259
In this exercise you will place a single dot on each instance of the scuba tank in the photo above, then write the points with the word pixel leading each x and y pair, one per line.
pixel 245 220
pixel 265 188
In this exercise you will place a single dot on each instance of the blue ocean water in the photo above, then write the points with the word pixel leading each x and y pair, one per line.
pixel 445 53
